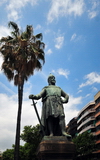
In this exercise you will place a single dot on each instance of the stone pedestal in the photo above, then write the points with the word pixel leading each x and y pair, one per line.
pixel 55 148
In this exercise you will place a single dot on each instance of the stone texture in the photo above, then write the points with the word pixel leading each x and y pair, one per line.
pixel 55 148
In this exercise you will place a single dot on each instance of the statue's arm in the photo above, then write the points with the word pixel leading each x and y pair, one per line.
pixel 38 96
pixel 65 96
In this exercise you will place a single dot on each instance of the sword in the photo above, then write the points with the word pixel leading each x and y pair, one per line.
pixel 34 104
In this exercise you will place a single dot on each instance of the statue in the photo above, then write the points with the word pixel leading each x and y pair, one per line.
pixel 53 117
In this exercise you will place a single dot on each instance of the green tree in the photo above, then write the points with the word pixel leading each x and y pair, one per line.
pixel 22 53
pixel 85 144
pixel 32 137
pixel 8 154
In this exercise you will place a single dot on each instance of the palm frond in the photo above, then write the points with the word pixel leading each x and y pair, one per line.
pixel 9 38
pixel 38 65
pixel 16 80
pixel 34 49
pixel 39 36
pixel 14 26
pixel 3 39
pixel 41 57
pixel 8 72
pixel 22 53
pixel 42 46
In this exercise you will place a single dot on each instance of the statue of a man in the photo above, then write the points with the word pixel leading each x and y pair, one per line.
pixel 53 117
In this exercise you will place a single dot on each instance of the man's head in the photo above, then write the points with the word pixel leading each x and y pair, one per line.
pixel 51 79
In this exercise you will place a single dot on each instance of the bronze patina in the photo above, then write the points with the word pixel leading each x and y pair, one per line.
pixel 53 117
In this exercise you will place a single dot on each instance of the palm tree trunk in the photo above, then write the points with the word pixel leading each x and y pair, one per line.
pixel 17 140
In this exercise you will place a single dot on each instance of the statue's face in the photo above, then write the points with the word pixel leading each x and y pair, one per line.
pixel 52 80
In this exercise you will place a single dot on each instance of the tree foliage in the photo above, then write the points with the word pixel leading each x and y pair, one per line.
pixel 32 137
pixel 8 154
pixel 22 52
pixel 85 144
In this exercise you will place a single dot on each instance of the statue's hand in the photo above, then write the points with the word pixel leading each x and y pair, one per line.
pixel 64 100
pixel 31 96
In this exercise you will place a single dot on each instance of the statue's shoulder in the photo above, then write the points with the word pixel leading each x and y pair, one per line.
pixel 45 87
pixel 51 86
pixel 58 87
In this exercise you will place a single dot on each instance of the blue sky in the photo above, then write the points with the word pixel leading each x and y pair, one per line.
pixel 71 33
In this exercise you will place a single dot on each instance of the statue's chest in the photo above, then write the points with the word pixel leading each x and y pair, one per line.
pixel 53 91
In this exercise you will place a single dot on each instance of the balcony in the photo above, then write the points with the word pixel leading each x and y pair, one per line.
pixel 87 128
pixel 96 106
pixel 97 114
pixel 86 121
pixel 97 132
pixel 97 142
pixel 97 151
pixel 97 123
pixel 86 113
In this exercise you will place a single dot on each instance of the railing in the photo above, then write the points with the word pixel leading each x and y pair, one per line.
pixel 86 113
pixel 97 132
pixel 87 128
pixel 97 114
pixel 96 106
pixel 97 123
pixel 86 121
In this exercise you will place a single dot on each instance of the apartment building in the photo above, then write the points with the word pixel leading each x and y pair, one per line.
pixel 88 119
pixel 97 124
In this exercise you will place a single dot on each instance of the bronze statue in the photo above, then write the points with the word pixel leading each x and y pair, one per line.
pixel 53 117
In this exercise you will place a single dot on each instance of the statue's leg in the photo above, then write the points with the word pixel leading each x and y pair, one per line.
pixel 62 126
pixel 50 125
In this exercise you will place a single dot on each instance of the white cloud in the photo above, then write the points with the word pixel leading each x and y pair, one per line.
pixel 65 7
pixel 87 95
pixel 14 8
pixel 38 27
pixel 4 31
pixel 62 72
pixel 91 78
pixel 49 51
pixel 6 88
pixel 76 37
pixel 79 91
pixel 59 42
pixel 92 14
pixel 73 37
pixel 94 89
pixel 8 119
pixel 70 108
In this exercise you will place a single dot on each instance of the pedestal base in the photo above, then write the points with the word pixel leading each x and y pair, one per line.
pixel 55 148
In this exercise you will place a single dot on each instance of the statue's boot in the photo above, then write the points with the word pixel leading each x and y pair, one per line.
pixel 62 126
pixel 67 135
pixel 51 134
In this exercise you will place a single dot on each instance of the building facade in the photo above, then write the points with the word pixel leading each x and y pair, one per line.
pixel 97 124
pixel 88 119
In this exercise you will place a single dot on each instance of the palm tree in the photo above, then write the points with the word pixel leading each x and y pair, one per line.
pixel 22 53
